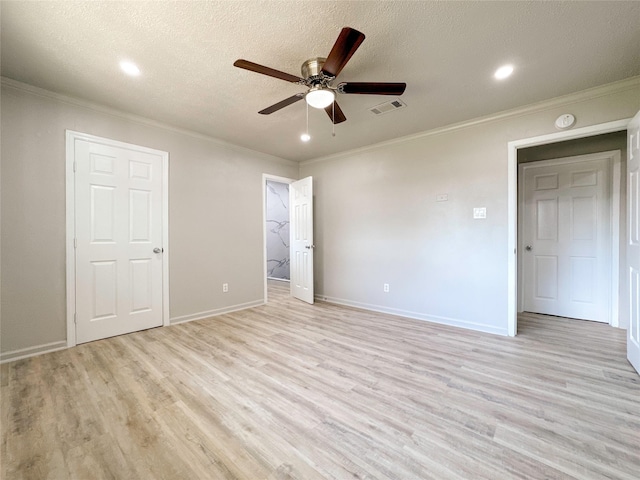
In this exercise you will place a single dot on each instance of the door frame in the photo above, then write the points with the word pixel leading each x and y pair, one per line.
pixel 512 201
pixel 71 137
pixel 614 166
pixel 272 178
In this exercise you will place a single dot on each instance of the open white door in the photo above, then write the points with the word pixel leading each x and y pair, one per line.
pixel 633 243
pixel 301 208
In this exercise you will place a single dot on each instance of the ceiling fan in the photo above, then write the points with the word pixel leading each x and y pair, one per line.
pixel 319 73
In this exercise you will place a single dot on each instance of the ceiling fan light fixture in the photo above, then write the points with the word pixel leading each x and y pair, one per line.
pixel 318 97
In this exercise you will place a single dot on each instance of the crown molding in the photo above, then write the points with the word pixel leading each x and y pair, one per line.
pixel 577 97
pixel 77 102
pixel 589 94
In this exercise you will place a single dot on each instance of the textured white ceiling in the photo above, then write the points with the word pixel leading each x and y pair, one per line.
pixel 445 51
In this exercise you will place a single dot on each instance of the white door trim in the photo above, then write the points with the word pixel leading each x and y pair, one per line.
pixel 512 201
pixel 71 137
pixel 272 178
pixel 614 157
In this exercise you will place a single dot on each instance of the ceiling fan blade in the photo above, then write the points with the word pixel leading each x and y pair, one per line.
pixel 284 103
pixel 372 88
pixel 339 115
pixel 254 67
pixel 347 43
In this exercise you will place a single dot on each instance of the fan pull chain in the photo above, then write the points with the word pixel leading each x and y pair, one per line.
pixel 333 120
pixel 305 137
pixel 307 119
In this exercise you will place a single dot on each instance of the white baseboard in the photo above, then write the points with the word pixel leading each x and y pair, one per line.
pixel 213 313
pixel 453 322
pixel 54 346
pixel 32 351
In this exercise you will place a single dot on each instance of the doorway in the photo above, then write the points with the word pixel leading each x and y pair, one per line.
pixel 117 238
pixel 521 151
pixel 276 223
pixel 569 221
pixel 277 231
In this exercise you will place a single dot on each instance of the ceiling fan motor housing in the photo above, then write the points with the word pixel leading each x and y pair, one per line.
pixel 312 70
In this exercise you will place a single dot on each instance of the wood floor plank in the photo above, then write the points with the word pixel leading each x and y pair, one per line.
pixel 293 391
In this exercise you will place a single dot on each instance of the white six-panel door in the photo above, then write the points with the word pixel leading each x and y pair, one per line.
pixel 633 240
pixel 567 237
pixel 301 232
pixel 118 224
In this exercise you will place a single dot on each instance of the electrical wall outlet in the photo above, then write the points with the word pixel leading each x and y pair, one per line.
pixel 442 197
pixel 385 287
pixel 225 287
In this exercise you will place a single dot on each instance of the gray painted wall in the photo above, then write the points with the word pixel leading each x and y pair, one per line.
pixel 277 230
pixel 215 215
pixel 377 219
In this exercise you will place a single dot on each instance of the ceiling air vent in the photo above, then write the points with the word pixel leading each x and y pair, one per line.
pixel 388 107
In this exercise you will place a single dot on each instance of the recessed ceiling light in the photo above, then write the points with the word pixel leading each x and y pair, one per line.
pixel 130 68
pixel 503 72
pixel 305 137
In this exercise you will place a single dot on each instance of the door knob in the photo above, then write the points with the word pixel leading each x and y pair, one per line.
pixel 158 250
pixel 310 246
pixel 528 248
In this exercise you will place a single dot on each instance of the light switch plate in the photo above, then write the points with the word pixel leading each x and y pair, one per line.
pixel 480 212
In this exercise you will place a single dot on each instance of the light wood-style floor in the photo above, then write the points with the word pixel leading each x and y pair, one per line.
pixel 291 391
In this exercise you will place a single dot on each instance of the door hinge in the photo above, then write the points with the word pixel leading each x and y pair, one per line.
pixel 75 166
pixel 75 243
pixel 75 318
